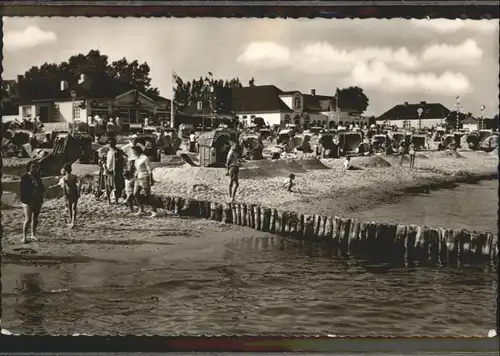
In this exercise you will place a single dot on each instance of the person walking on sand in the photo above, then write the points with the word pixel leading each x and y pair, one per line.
pixel 71 187
pixel 192 142
pixel 115 163
pixel 31 194
pixel 144 179
pixel 289 182
pixel 412 153
pixel 233 170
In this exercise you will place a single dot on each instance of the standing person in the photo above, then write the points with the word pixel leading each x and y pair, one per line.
pixel 118 123
pixel 412 153
pixel 31 194
pixel 144 179
pixel 192 142
pixel 115 163
pixel 233 170
pixel 401 153
pixel 129 189
pixel 71 187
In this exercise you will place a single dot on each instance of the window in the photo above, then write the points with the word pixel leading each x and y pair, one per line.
pixel 407 124
pixel 297 102
pixel 27 112
pixel 57 113
pixel 76 110
pixel 287 119
pixel 244 116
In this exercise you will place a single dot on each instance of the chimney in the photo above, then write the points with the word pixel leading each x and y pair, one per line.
pixel 423 103
pixel 19 78
pixel 313 92
pixel 406 103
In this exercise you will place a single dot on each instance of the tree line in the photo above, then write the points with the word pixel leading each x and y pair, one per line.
pixel 44 81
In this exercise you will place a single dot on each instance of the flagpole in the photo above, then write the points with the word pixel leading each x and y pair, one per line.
pixel 172 111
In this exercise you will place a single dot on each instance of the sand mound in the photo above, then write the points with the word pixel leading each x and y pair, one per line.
pixel 370 162
pixel 448 154
pixel 173 160
pixel 311 164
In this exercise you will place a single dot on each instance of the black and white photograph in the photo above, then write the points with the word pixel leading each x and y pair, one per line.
pixel 249 176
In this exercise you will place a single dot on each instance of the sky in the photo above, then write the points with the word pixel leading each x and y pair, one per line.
pixel 393 60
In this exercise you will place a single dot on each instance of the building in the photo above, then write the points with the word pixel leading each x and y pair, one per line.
pixel 470 123
pixel 407 115
pixel 278 107
pixel 91 98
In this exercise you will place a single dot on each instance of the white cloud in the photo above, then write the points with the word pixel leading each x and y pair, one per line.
pixel 466 53
pixel 265 55
pixel 381 77
pixel 450 26
pixel 30 37
pixel 323 58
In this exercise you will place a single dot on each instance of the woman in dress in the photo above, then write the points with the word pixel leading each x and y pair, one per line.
pixel 31 194
pixel 144 180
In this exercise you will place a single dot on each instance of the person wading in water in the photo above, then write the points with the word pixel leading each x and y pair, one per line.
pixel 31 194
pixel 144 179
pixel 115 163
pixel 233 169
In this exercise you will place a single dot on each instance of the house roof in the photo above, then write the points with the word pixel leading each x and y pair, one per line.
pixel 261 98
pixel 469 120
pixel 409 112
pixel 96 88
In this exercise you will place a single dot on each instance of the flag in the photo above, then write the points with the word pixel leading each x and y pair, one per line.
pixel 175 77
pixel 210 74
pixel 483 107
pixel 458 97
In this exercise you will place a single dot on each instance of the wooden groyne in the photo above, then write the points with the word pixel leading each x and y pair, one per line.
pixel 394 243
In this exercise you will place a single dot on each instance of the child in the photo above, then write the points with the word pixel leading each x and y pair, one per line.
pixel 347 163
pixel 129 189
pixel 289 182
pixel 70 184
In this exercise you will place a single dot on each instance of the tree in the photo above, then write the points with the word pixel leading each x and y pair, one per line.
pixel 188 94
pixel 353 98
pixel 44 82
pixel 259 122
pixel 451 119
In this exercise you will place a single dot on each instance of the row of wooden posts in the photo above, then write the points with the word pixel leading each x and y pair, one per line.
pixel 394 243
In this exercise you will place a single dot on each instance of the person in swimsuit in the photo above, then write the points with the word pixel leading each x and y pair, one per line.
pixel 115 163
pixel 289 182
pixel 412 153
pixel 31 194
pixel 129 189
pixel 144 179
pixel 71 187
pixel 233 170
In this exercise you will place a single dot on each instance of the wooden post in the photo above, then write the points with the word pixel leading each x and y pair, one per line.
pixel 300 226
pixel 354 237
pixel 213 207
pixel 266 221
pixel 272 221
pixel 279 223
pixel 400 243
pixel 262 219
pixel 218 212
pixel 434 247
pixel 293 225
pixel 186 208
pixel 177 205
pixel 411 235
pixel 244 217
pixel 227 214
pixel 451 247
pixel 316 226
pixel 234 213
pixel 328 229
pixel 308 227
pixel 337 224
pixel 421 245
pixel 256 217
pixel 345 225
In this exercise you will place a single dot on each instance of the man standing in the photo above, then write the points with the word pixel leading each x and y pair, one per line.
pixel 192 142
pixel 114 171
pixel 233 170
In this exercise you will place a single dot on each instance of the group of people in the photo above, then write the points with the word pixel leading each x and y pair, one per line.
pixel 130 173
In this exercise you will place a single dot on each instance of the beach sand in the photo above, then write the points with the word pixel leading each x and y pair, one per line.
pixel 322 186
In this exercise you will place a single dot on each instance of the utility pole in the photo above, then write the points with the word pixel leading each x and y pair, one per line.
pixel 458 109
pixel 481 127
pixel 419 112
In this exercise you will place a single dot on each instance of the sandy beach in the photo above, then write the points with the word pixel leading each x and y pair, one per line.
pixel 322 186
